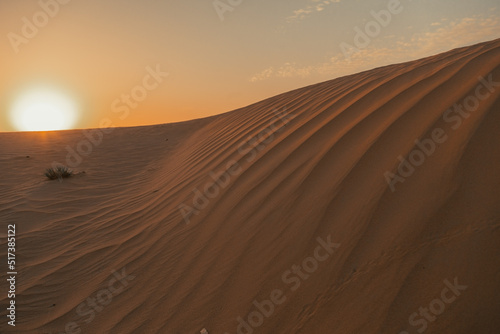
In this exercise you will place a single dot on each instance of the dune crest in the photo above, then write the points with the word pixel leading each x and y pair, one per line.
pixel 298 208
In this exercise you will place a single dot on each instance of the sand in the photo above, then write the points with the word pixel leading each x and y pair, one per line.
pixel 302 232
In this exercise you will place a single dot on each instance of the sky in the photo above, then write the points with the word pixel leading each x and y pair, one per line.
pixel 159 61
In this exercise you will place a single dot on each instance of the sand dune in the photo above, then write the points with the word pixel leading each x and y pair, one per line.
pixel 286 206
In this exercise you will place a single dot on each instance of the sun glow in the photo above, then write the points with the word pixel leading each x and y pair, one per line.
pixel 43 109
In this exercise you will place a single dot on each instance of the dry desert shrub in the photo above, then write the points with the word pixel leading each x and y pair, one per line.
pixel 58 173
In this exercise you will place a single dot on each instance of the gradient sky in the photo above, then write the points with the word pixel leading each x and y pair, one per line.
pixel 95 51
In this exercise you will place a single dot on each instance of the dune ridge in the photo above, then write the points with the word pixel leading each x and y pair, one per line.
pixel 316 170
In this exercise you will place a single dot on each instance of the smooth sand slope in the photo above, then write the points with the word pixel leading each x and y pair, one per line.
pixel 308 164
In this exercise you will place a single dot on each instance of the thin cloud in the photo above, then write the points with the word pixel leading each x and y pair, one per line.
pixel 287 70
pixel 443 37
pixel 315 7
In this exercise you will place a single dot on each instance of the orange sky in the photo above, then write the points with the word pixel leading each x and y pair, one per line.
pixel 217 60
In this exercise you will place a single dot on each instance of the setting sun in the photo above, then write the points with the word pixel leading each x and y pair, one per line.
pixel 43 109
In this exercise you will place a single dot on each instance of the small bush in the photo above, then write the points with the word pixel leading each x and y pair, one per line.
pixel 59 172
